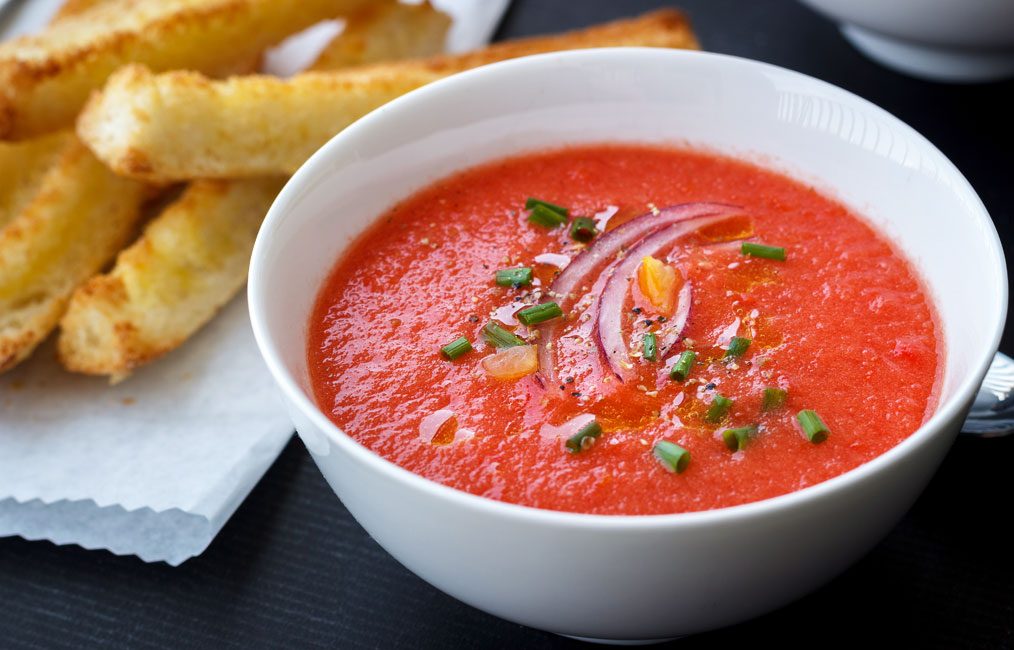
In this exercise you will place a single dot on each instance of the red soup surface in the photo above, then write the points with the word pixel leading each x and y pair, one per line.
pixel 841 326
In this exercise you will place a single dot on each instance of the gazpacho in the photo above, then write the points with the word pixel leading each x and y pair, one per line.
pixel 624 329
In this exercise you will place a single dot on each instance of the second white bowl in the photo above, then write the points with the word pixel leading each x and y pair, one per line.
pixel 939 40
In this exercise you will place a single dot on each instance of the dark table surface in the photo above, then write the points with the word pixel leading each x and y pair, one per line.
pixel 293 569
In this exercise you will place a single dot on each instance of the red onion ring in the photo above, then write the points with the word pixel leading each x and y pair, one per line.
pixel 603 252
pixel 553 259
pixel 609 333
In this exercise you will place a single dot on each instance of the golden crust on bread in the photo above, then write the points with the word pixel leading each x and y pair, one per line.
pixel 660 28
pixel 181 125
pixel 189 262
pixel 386 31
pixel 193 257
pixel 22 168
pixel 46 78
pixel 71 8
pixel 79 218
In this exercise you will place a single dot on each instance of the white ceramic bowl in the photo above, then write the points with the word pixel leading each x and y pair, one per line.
pixel 645 577
pixel 940 40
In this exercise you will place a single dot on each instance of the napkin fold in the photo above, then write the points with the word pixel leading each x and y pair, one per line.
pixel 153 466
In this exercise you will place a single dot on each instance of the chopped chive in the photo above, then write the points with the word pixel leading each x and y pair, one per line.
pixel 583 229
pixel 737 346
pixel 543 216
pixel 681 369
pixel 533 202
pixel 499 337
pixel 650 345
pixel 736 439
pixel 760 250
pixel 774 398
pixel 814 428
pixel 514 277
pixel 584 438
pixel 673 458
pixel 719 408
pixel 540 313
pixel 456 348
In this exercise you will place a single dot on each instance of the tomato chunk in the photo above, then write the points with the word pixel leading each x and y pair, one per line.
pixel 512 363
pixel 659 283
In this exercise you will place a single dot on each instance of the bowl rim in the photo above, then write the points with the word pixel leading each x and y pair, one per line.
pixel 280 209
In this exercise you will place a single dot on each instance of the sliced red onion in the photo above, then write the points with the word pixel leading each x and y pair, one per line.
pixel 610 244
pixel 669 332
pixel 725 334
pixel 609 334
pixel 553 259
pixel 506 313
pixel 722 247
pixel 551 433
pixel 670 408
pixel 602 218
pixel 432 423
pixel 604 251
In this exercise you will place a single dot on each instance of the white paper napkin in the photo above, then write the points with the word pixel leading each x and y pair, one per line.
pixel 155 466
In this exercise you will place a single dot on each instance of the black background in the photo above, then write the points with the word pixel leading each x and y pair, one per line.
pixel 292 569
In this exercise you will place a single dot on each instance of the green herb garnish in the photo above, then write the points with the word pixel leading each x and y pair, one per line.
pixel 672 457
pixel 684 363
pixel 531 203
pixel 544 216
pixel 814 428
pixel 456 348
pixel 540 313
pixel 499 337
pixel 650 347
pixel 719 408
pixel 737 346
pixel 584 438
pixel 736 439
pixel 583 229
pixel 514 277
pixel 760 250
pixel 774 398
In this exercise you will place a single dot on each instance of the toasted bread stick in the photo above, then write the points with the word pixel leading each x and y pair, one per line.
pixel 237 65
pixel 79 218
pixel 190 261
pixel 71 8
pixel 193 257
pixel 46 78
pixel 23 165
pixel 386 31
pixel 181 125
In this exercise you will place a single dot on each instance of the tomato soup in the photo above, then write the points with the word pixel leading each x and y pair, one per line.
pixel 624 329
